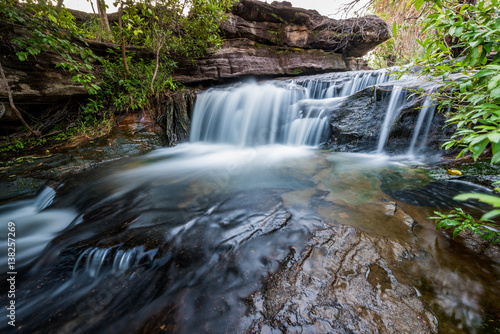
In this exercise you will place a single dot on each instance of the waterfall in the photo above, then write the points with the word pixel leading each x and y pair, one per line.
pixel 95 261
pixel 341 84
pixel 275 112
pixel 425 115
pixel 302 111
pixel 396 102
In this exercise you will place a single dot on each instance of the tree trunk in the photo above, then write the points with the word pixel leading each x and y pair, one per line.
pixel 157 64
pixel 122 40
pixel 11 102
pixel 59 4
pixel 101 8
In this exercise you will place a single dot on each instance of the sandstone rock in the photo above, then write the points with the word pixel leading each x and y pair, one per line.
pixel 242 57
pixel 346 282
pixel 282 25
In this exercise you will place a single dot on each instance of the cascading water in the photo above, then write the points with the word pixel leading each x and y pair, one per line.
pixel 341 84
pixel 244 228
pixel 279 112
pixel 298 112
pixel 422 130
pixel 396 102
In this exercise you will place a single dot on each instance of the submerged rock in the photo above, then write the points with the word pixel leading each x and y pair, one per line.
pixel 345 281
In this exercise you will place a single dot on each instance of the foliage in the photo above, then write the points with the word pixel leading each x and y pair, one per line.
pixel 462 48
pixel 463 52
pixel 89 127
pixel 459 221
pixel 51 29
pixel 403 47
pixel 120 92
pixel 158 26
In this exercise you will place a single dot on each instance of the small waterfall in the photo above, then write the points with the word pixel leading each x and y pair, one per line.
pixel 341 84
pixel 299 111
pixel 275 112
pixel 426 115
pixel 307 130
pixel 45 198
pixel 396 102
pixel 255 114
pixel 94 261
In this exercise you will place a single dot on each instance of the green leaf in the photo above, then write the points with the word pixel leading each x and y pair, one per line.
pixel 52 18
pixel 418 4
pixel 491 214
pixel 489 199
pixel 457 231
pixel 495 93
pixel 494 136
pixel 495 158
pixel 494 82
pixel 394 29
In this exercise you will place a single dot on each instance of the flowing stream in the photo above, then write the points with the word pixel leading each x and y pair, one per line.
pixel 238 230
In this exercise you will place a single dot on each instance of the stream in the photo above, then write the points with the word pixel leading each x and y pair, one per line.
pixel 252 227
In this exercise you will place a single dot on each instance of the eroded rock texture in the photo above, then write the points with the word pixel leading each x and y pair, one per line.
pixel 282 25
pixel 276 39
pixel 243 58
pixel 261 40
pixel 345 282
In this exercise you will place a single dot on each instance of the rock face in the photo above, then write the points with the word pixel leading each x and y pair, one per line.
pixel 265 40
pixel 242 57
pixel 276 39
pixel 282 25
pixel 356 123
pixel 343 283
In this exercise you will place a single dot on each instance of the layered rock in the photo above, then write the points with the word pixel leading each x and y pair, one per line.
pixel 346 282
pixel 242 57
pixel 282 25
pixel 276 39
pixel 261 40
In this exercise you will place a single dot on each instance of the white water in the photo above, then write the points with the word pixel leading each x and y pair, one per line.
pixel 425 115
pixel 341 84
pixel 396 103
pixel 296 112
pixel 275 112
pixel 35 225
pixel 92 260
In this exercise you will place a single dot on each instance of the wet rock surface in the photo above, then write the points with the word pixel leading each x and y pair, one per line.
pixel 343 282
pixel 195 240
pixel 25 175
pixel 356 123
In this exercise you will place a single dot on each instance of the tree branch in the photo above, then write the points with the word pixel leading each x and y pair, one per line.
pixel 12 105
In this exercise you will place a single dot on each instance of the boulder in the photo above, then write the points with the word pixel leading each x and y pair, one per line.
pixel 242 57
pixel 282 25
pixel 269 40
pixel 356 121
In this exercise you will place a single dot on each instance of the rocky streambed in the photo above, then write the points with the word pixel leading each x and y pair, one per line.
pixel 219 239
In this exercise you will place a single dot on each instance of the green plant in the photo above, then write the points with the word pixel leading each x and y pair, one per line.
pixel 403 47
pixel 52 29
pixel 463 51
pixel 459 221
